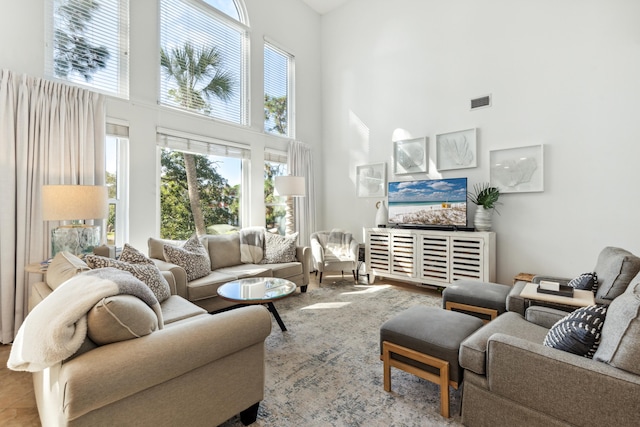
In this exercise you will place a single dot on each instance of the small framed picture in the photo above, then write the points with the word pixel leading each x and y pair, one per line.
pixel 411 156
pixel 371 180
pixel 456 150
pixel 517 170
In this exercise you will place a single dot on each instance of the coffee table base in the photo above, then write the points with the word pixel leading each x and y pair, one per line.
pixel 272 309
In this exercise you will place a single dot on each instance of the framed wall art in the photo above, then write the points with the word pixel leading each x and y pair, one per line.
pixel 411 156
pixel 517 170
pixel 456 150
pixel 371 180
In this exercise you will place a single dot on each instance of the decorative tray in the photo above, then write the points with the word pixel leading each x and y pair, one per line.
pixel 564 291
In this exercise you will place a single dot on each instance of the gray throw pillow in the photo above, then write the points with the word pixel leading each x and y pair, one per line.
pixel 120 318
pixel 147 273
pixel 585 281
pixel 193 257
pixel 279 249
pixel 620 346
pixel 615 267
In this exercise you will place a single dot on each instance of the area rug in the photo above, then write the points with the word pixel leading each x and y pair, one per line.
pixel 326 369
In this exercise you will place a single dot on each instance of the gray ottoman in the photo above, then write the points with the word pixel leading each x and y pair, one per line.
pixel 425 341
pixel 481 299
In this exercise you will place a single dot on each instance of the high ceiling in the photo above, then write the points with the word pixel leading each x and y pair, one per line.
pixel 324 6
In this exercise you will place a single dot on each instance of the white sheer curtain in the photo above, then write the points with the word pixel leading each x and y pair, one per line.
pixel 300 163
pixel 50 133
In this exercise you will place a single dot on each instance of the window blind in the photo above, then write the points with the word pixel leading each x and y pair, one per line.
pixel 88 44
pixel 203 145
pixel 277 84
pixel 202 27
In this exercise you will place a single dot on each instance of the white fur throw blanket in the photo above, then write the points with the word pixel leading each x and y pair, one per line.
pixel 56 328
pixel 252 245
pixel 338 243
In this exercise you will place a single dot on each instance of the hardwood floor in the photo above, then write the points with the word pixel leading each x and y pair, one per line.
pixel 17 401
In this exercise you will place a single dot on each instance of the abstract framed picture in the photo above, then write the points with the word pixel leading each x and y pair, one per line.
pixel 517 170
pixel 371 180
pixel 456 150
pixel 411 156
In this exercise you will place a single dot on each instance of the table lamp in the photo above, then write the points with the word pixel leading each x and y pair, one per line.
pixel 74 204
pixel 290 187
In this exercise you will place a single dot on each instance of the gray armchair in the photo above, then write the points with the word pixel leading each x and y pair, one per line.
pixel 334 250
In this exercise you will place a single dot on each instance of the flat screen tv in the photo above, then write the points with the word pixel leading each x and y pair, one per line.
pixel 430 203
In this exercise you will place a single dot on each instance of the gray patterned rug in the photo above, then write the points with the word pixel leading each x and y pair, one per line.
pixel 326 369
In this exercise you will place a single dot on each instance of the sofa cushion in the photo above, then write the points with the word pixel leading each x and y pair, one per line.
pixel 207 286
pixel 473 350
pixel 192 256
pixel 63 267
pixel 176 308
pixel 279 248
pixel 585 281
pixel 285 270
pixel 578 332
pixel 615 267
pixel 147 273
pixel 120 318
pixel 620 344
pixel 224 250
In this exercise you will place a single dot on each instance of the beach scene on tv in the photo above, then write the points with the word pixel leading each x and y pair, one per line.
pixel 439 202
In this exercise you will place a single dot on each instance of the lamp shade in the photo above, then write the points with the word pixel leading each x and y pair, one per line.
pixel 74 202
pixel 290 186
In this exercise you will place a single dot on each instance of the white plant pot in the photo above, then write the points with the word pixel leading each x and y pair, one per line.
pixel 482 220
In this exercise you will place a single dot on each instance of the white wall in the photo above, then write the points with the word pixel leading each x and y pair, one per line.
pixel 562 73
pixel 290 23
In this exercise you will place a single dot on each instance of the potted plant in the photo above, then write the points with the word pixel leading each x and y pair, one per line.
pixel 486 197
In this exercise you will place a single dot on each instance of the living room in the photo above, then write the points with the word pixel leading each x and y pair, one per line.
pixel 561 74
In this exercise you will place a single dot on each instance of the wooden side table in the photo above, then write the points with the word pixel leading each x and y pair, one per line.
pixel 581 298
pixel 523 277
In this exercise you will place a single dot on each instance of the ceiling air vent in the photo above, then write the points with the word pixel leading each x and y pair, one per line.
pixel 483 101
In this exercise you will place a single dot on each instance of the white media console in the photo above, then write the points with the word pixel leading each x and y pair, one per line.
pixel 430 257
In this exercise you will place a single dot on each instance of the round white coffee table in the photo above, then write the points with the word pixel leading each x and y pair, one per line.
pixel 258 290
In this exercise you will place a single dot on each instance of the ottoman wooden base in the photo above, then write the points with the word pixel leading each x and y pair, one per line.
pixel 442 379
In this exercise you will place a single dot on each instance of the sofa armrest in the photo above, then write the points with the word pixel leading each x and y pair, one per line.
pixel 561 384
pixel 109 373
pixel 303 255
pixel 179 276
pixel 544 316
pixel 354 247
pixel 317 252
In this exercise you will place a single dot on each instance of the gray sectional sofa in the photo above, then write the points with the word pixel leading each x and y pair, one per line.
pixel 226 265
pixel 511 378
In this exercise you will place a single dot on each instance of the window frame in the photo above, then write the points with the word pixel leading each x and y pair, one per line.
pixel 120 132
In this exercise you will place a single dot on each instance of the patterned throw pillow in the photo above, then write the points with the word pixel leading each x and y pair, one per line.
pixel 279 249
pixel 133 256
pixel 585 281
pixel 578 332
pixel 147 273
pixel 192 256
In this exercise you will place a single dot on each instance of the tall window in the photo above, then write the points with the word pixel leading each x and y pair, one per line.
pixel 117 179
pixel 203 58
pixel 88 44
pixel 200 185
pixel 275 206
pixel 278 77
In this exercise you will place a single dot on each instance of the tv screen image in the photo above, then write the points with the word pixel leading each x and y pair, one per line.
pixel 428 202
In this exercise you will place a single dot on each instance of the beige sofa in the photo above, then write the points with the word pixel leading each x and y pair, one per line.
pixel 199 370
pixel 226 266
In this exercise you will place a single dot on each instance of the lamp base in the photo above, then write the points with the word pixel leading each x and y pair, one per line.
pixel 77 239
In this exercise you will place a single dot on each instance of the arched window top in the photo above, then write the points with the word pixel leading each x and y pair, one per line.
pixel 232 8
